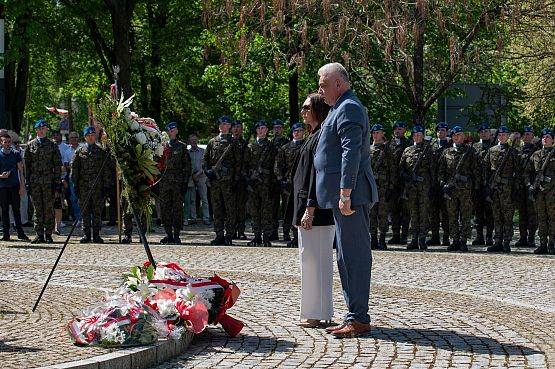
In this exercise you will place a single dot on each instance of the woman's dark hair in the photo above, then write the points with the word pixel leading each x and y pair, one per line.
pixel 318 107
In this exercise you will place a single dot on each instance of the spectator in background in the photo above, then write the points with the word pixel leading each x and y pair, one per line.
pixel 24 199
pixel 199 182
pixel 74 210
pixel 11 170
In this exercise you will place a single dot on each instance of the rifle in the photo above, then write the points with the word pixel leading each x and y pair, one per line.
pixel 540 177
pixel 447 188
pixel 413 178
pixel 218 167
pixel 255 175
pixel 492 184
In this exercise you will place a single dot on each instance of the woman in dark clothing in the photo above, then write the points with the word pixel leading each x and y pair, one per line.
pixel 315 226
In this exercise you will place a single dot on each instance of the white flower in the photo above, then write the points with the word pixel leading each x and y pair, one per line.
pixel 112 333
pixel 144 291
pixel 166 308
pixel 141 138
pixel 185 294
pixel 159 150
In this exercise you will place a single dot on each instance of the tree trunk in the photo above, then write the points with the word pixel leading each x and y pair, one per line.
pixel 121 12
pixel 143 86
pixel 157 18
pixel 418 65
pixel 293 94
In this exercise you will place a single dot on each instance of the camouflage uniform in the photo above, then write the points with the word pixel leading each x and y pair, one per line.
pixel 43 167
pixel 284 161
pixel 221 183
pixel 261 157
pixel 483 211
pixel 173 187
pixel 527 218
pixel 400 216
pixel 382 166
pixel 460 184
pixel 276 194
pixel 545 205
pixel 85 167
pixel 503 206
pixel 438 207
pixel 241 193
pixel 417 190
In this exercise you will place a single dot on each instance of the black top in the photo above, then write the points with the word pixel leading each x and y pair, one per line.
pixel 304 185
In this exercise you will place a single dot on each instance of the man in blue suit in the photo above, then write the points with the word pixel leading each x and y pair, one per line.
pixel 345 183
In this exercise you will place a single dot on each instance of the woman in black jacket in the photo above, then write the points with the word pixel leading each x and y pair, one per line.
pixel 315 226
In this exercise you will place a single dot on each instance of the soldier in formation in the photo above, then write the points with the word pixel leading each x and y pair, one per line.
pixel 284 161
pixel 43 165
pixel 382 166
pixel 220 163
pixel 278 196
pixel 459 174
pixel 260 159
pixel 416 168
pixel 528 222
pixel 482 209
pixel 173 185
pixel 241 193
pixel 89 174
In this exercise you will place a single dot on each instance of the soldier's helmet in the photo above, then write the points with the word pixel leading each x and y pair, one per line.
pixel 399 124
pixel 547 132
pixel 417 129
pixel 377 127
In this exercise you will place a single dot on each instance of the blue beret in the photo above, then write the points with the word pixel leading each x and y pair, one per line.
pixel 260 123
pixel 441 125
pixel 456 129
pixel 527 129
pixel 547 131
pixel 224 119
pixel 417 129
pixel 236 123
pixel 399 124
pixel 377 127
pixel 171 125
pixel 88 130
pixel 277 122
pixel 297 126
pixel 40 123
pixel 483 127
pixel 503 129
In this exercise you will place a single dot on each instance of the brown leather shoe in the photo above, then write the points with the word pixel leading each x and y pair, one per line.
pixel 352 329
pixel 335 328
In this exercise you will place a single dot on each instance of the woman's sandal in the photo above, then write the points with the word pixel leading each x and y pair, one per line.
pixel 310 323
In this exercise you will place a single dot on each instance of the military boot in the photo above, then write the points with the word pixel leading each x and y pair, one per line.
pixel 413 245
pixel 48 238
pixel 542 250
pixel 21 235
pixel 241 235
pixel 381 242
pixel 454 246
pixel 38 239
pixel 168 239
pixel 266 240
pixel 404 239
pixel 422 244
pixel 395 239
pixel 479 240
pixel 273 236
pixel 286 236
pixel 507 247
pixel 293 243
pixel 96 237
pixel 463 246
pixel 176 239
pixel 126 239
pixel 374 241
pixel 445 240
pixel 489 239
pixel 522 241
pixel 256 241
pixel 218 241
pixel 496 247
pixel 434 240
pixel 228 240
pixel 532 238
pixel 551 248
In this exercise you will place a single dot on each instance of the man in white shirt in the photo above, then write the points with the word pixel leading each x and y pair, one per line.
pixel 197 182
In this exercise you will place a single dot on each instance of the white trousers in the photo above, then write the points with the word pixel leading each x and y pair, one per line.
pixel 316 257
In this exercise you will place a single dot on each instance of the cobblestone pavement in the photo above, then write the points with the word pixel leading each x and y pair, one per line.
pixel 429 310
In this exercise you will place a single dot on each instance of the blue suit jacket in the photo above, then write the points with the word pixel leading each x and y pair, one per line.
pixel 342 158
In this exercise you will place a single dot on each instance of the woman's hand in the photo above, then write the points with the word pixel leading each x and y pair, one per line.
pixel 306 220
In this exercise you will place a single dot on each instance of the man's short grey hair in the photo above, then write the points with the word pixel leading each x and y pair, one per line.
pixel 335 68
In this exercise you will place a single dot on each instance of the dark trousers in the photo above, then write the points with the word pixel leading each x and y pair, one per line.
pixel 10 196
pixel 354 260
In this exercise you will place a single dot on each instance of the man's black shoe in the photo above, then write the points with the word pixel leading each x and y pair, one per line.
pixel 434 241
pixel 167 240
pixel 228 241
pixel 38 239
pixel 85 239
pixel 22 236
pixel 98 239
pixel 542 250
pixel 422 244
pixel 177 241
pixel 6 237
pixel 394 240
pixel 218 241
pixel 497 247
pixel 507 247
pixel 48 238
pixel 126 239
pixel 462 246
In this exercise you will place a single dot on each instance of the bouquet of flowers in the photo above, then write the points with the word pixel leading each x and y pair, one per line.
pixel 137 145
pixel 152 303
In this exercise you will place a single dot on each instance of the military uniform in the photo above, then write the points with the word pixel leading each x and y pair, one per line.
pixel 241 193
pixel 527 218
pixel 382 167
pixel 483 211
pixel 43 167
pixel 277 195
pixel 400 216
pixel 438 206
pixel 457 187
pixel 85 167
pixel 220 163
pixel 417 190
pixel 502 205
pixel 545 204
pixel 284 161
pixel 261 157
pixel 173 187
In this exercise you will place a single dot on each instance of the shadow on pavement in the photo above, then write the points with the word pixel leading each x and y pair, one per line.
pixel 34 247
pixel 11 348
pixel 450 341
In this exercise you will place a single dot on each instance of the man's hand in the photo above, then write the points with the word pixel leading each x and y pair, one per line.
pixel 308 217
pixel 345 206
